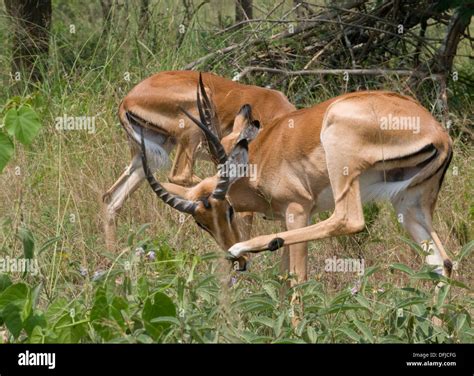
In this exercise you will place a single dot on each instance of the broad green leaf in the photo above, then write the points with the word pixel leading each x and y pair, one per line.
pixel 23 123
pixel 33 321
pixel 11 317
pixel 159 305
pixel 36 335
pixel 100 314
pixel 365 330
pixel 5 281
pixel 16 294
pixel 465 251
pixel 6 150
pixel 270 290
pixel 266 321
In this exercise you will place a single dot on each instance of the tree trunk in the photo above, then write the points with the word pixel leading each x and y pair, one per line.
pixel 243 10
pixel 144 20
pixel 31 21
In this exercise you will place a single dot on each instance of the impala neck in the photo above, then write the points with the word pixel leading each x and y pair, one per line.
pixel 245 196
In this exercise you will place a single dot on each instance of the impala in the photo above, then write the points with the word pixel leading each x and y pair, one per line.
pixel 154 103
pixel 333 156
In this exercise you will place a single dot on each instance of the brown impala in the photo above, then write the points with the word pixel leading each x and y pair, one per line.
pixel 155 104
pixel 355 148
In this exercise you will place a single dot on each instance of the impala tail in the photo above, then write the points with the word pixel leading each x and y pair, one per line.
pixel 158 145
pixel 391 177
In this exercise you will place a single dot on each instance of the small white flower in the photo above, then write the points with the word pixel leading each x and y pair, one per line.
pixel 139 251
pixel 97 275
pixel 151 256
pixel 83 271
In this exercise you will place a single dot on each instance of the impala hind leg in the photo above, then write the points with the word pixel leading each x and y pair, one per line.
pixel 415 209
pixel 115 197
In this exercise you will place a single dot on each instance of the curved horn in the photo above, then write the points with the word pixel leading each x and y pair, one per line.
pixel 178 203
pixel 224 177
pixel 207 123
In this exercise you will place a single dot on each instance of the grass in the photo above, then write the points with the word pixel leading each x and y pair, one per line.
pixel 54 189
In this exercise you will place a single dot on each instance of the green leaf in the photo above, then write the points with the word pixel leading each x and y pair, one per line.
pixel 5 281
pixel 100 313
pixel 403 268
pixel 465 251
pixel 11 316
pixel 312 335
pixel 371 270
pixel 48 243
pixel 415 246
pixel 23 122
pixel 460 320
pixel 365 330
pixel 270 290
pixel 14 294
pixel 443 292
pixel 350 333
pixel 6 150
pixel 266 321
pixel 26 237
pixel 166 319
pixel 33 321
pixel 411 301
pixel 159 305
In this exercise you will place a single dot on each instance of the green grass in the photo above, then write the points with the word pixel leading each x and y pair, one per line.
pixel 54 189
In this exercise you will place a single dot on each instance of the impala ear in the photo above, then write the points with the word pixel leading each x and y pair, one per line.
pixel 244 127
pixel 237 164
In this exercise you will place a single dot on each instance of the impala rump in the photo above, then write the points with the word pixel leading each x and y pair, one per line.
pixel 389 179
pixel 158 144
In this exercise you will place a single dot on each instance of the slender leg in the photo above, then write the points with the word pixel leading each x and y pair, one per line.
pixel 296 218
pixel 182 169
pixel 114 198
pixel 414 209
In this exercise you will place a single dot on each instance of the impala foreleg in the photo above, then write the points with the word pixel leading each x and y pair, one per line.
pixel 347 219
pixel 182 170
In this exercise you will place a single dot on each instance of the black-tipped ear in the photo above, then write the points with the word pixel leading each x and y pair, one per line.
pixel 246 111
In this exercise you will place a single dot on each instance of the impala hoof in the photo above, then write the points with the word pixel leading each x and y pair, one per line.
pixel 275 244
pixel 229 256
pixel 237 250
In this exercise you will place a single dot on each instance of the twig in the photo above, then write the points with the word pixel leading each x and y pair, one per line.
pixel 360 72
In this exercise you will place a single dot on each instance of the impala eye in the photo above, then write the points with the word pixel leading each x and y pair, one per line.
pixel 230 213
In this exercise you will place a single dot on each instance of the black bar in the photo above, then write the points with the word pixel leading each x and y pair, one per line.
pixel 307 359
